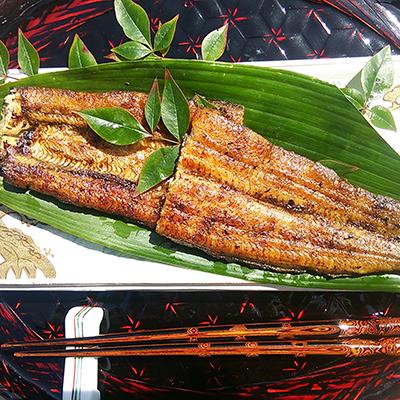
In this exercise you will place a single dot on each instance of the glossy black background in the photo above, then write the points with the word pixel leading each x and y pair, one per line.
pixel 27 314
pixel 259 30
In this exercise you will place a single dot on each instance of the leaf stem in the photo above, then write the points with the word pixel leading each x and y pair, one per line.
pixel 169 140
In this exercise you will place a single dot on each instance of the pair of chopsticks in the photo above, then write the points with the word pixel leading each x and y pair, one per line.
pixel 352 338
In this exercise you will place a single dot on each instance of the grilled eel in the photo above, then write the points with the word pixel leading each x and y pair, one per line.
pixel 233 195
pixel 237 196
pixel 49 148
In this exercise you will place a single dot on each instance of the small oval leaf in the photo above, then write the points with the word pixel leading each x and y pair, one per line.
pixel 174 108
pixel 381 117
pixel 354 96
pixel 133 20
pixel 79 55
pixel 4 61
pixel 377 76
pixel 114 125
pixel 213 45
pixel 28 57
pixel 165 35
pixel 159 166
pixel 152 109
pixel 340 167
pixel 132 50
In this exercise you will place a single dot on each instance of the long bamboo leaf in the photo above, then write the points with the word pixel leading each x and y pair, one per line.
pixel 299 113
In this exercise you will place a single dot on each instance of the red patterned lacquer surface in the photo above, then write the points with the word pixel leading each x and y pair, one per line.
pixel 29 316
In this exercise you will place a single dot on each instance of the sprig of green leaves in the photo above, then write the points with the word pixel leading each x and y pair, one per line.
pixel 136 26
pixel 119 127
pixel 174 111
pixel 369 85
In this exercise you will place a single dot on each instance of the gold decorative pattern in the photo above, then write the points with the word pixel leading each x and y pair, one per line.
pixel 239 329
pixel 252 349
pixel 193 333
pixel 287 331
pixel 393 97
pixel 204 349
pixel 20 253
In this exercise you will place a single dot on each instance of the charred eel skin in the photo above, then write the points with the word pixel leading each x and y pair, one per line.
pixel 237 196
pixel 234 194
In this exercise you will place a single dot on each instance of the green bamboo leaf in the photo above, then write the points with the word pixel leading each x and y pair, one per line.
pixel 214 44
pixel 159 166
pixel 294 111
pixel 152 109
pixel 4 61
pixel 341 168
pixel 377 76
pixel 354 96
pixel 381 117
pixel 133 20
pixel 165 35
pixel 201 101
pixel 114 125
pixel 28 57
pixel 132 50
pixel 79 55
pixel 174 108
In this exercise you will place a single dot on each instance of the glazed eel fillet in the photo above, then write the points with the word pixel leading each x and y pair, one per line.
pixel 233 195
pixel 49 148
